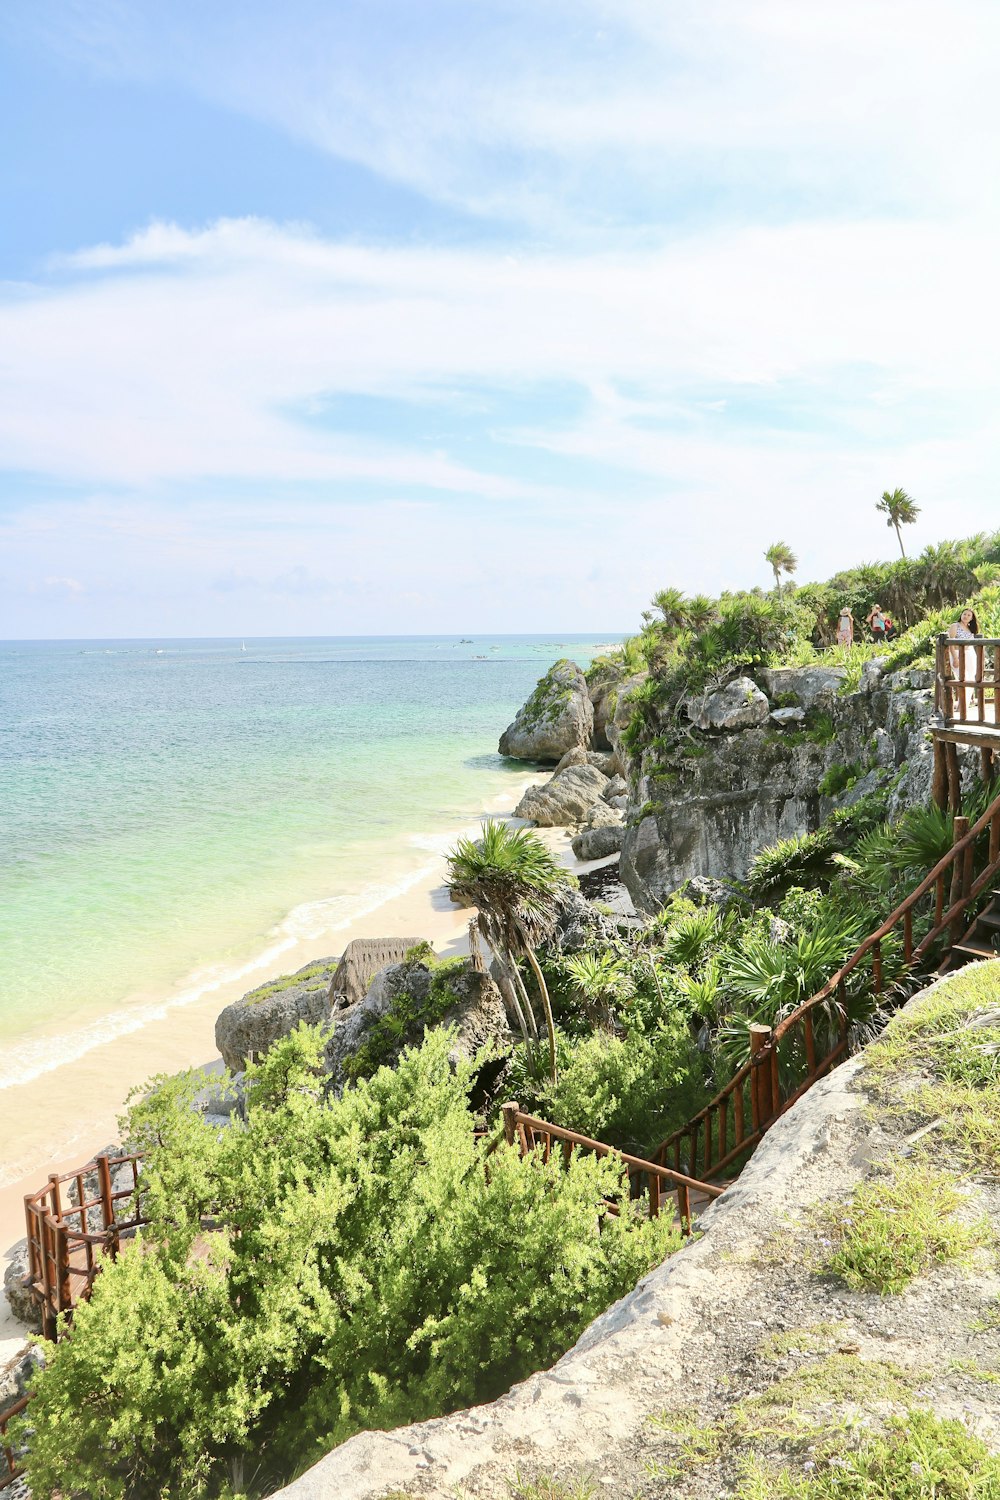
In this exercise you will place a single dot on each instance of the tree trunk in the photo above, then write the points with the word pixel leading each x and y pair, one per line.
pixel 899 538
pixel 547 1007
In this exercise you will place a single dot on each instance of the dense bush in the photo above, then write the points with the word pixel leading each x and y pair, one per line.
pixel 335 1264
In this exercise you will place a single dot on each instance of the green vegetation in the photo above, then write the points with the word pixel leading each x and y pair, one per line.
pixel 689 645
pixel 331 1265
pixel 895 1227
pixel 949 1044
pixel 286 982
pixel 900 510
pixel 514 881
pixel 548 1488
pixel 406 1019
pixel 918 1457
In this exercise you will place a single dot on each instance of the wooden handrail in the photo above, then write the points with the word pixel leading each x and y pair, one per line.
pixel 6 1451
pixel 761 1075
pixel 950 688
pixel 62 1263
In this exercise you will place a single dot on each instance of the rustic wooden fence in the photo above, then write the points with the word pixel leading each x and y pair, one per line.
pixel 967 675
pixel 11 1468
pixel 652 1187
pixel 787 1060
pixel 71 1222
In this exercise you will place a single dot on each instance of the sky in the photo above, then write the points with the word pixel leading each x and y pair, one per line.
pixel 377 316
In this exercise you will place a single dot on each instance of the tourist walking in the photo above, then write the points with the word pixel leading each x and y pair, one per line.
pixel 845 628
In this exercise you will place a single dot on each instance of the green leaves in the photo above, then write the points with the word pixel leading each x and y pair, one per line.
pixel 355 1265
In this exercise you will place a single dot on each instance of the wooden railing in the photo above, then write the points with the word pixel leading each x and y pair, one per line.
pixel 967 676
pixel 66 1238
pixel 650 1183
pixel 10 1469
pixel 813 1038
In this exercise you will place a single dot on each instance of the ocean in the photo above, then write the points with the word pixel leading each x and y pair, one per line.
pixel 177 813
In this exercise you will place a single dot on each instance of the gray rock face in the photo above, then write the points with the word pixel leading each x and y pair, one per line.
pixel 738 705
pixel 565 799
pixel 754 786
pixel 811 687
pixel 248 1027
pixel 790 717
pixel 557 717
pixel 20 1300
pixel 605 761
pixel 478 1011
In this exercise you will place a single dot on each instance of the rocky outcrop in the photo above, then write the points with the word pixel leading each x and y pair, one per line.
pixel 738 705
pixel 362 960
pixel 463 998
pixel 248 1027
pixel 718 798
pixel 811 687
pixel 22 1304
pixel 602 835
pixel 565 799
pixel 557 717
pixel 605 761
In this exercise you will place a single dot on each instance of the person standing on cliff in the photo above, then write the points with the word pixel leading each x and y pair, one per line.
pixel 845 628
pixel 877 623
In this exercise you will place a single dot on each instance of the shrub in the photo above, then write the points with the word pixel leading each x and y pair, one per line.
pixel 336 1264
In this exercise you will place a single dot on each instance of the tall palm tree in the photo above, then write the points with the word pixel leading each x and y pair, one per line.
pixel 901 512
pixel 513 880
pixel 782 560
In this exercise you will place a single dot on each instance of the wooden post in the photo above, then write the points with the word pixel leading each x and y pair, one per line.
pixel 510 1112
pixel 954 779
pixel 877 967
pixel 941 676
pixel 986 769
pixel 760 1102
pixel 961 828
pixel 939 786
pixel 907 934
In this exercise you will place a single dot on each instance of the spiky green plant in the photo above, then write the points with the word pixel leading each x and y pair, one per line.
pixel 782 560
pixel 514 881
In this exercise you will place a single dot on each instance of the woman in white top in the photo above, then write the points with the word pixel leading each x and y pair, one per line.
pixel 964 662
pixel 845 628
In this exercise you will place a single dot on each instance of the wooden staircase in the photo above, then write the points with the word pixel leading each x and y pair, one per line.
pixel 981 941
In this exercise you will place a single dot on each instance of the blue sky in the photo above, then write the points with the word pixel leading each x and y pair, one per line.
pixel 501 314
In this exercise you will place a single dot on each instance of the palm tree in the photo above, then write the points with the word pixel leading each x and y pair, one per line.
pixel 782 560
pixel 514 881
pixel 673 606
pixel 901 512
pixel 701 611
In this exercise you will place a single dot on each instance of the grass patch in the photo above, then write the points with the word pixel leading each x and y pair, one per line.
pixel 548 1488
pixel 288 982
pixel 791 1411
pixel 951 1041
pixel 896 1227
pixel 918 1457
pixel 817 1338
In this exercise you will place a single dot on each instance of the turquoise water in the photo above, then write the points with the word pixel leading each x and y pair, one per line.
pixel 170 811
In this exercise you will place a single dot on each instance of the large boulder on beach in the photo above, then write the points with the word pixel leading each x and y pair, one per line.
pixel 602 835
pixel 565 799
pixel 247 1028
pixel 403 1001
pixel 557 717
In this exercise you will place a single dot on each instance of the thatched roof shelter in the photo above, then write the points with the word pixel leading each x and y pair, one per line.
pixel 362 960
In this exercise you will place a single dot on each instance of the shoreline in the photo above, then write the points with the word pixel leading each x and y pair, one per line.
pixel 59 1119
